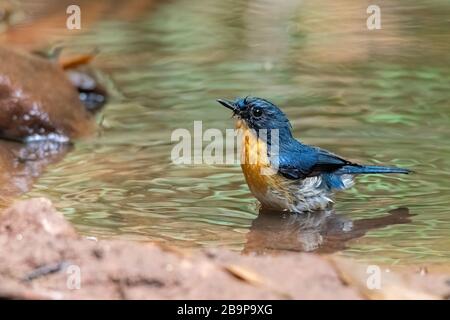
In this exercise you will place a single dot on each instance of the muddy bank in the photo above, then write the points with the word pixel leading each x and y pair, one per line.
pixel 37 98
pixel 44 258
pixel 46 102
pixel 31 24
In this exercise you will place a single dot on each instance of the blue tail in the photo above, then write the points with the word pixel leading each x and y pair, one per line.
pixel 355 169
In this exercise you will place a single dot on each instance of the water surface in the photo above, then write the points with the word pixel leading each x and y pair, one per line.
pixel 379 97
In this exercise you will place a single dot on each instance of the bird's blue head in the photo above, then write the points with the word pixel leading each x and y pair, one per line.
pixel 259 114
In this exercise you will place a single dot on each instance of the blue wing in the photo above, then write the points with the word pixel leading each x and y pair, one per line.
pixel 300 161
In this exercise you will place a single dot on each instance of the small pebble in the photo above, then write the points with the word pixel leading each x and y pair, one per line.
pixel 423 271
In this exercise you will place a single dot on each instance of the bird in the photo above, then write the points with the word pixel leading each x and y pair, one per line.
pixel 297 177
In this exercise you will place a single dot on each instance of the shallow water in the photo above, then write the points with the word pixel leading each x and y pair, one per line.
pixel 372 96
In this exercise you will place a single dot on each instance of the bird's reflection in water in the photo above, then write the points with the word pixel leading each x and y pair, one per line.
pixel 321 231
pixel 21 164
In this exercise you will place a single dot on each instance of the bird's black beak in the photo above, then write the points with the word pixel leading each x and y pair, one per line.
pixel 229 104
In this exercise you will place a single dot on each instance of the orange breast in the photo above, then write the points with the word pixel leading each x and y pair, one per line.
pixel 254 161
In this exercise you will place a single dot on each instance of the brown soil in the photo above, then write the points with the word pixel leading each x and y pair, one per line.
pixel 36 97
pixel 42 256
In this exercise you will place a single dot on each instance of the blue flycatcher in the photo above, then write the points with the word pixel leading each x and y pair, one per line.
pixel 298 177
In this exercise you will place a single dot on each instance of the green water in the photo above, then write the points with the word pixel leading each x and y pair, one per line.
pixel 377 96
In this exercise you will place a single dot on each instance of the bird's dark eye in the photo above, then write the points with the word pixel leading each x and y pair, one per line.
pixel 257 112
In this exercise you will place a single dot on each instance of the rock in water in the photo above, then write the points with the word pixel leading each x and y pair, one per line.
pixel 37 100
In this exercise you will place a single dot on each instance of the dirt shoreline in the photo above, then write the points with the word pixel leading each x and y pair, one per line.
pixel 44 258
